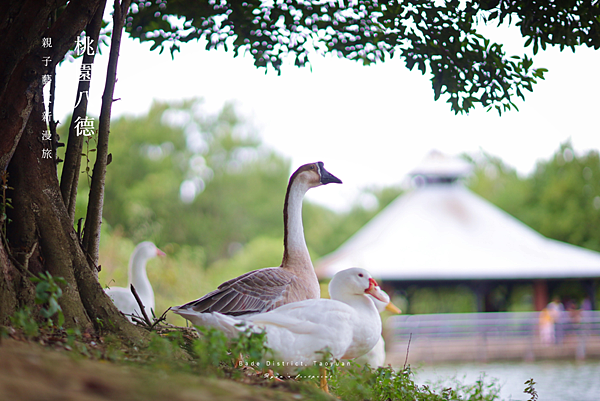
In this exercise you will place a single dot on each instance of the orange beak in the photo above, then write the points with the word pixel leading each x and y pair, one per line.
pixel 160 253
pixel 376 292
pixel 392 308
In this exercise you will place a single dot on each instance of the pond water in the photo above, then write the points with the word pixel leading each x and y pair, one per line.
pixel 555 380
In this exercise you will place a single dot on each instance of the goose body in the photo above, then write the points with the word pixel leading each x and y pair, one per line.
pixel 348 324
pixel 266 289
pixel 122 297
pixel 376 356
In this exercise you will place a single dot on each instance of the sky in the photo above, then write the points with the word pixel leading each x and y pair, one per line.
pixel 369 125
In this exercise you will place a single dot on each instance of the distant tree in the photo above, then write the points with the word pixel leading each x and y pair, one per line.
pixel 181 175
pixel 499 183
pixel 564 202
pixel 560 199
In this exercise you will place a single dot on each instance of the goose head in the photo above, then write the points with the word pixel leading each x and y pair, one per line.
pixel 146 250
pixel 312 175
pixel 355 282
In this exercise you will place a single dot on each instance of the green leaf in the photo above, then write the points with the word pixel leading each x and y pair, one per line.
pixel 54 306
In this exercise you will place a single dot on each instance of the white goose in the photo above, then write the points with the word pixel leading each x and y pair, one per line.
pixel 348 324
pixel 266 289
pixel 376 356
pixel 122 297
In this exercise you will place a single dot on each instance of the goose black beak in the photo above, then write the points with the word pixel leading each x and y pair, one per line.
pixel 327 177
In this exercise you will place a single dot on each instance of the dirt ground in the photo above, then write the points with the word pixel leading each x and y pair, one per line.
pixel 29 371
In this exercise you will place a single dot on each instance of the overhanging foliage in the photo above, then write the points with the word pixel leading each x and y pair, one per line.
pixel 439 38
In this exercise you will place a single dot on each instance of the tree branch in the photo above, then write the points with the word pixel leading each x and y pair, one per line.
pixel 93 221
pixel 50 116
pixel 70 173
pixel 140 304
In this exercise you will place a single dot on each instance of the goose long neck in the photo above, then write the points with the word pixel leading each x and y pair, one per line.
pixel 295 252
pixel 139 279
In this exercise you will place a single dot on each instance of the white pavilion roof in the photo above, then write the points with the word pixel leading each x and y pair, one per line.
pixel 444 231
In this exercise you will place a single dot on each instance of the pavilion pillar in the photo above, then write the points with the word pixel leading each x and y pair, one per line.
pixel 540 294
pixel 590 291
pixel 480 289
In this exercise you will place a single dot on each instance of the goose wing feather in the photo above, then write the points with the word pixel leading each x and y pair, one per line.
pixel 307 317
pixel 254 292
pixel 300 330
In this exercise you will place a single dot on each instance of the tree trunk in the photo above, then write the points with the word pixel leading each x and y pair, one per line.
pixel 39 233
pixel 93 220
pixel 40 219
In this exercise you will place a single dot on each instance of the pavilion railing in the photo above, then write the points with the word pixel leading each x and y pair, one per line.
pixel 497 333
pixel 491 324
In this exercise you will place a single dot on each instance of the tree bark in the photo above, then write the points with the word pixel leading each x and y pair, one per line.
pixel 15 290
pixel 37 214
pixel 39 217
pixel 22 59
pixel 93 221
pixel 20 28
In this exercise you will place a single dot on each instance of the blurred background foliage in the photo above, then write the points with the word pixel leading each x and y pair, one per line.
pixel 208 192
pixel 560 199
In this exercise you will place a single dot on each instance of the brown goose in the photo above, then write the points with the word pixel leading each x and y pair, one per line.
pixel 266 289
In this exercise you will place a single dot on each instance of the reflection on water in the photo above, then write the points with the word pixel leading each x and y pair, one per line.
pixel 555 380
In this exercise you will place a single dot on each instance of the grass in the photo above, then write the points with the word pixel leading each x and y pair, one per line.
pixel 208 353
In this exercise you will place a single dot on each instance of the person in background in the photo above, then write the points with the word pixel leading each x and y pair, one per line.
pixel 586 304
pixel 574 316
pixel 584 314
pixel 546 327
pixel 556 310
